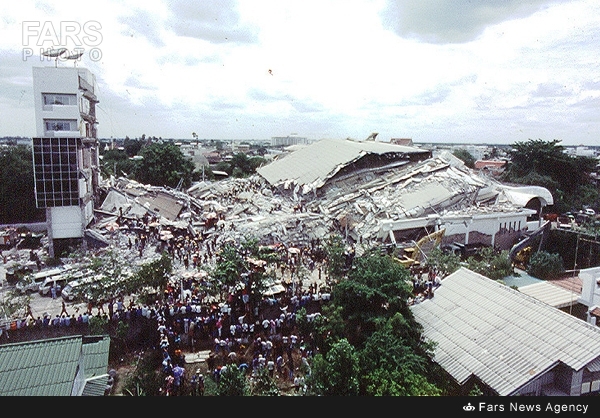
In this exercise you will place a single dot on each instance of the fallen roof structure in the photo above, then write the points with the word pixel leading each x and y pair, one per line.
pixel 367 191
pixel 309 168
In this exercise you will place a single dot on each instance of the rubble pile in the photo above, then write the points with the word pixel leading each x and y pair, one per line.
pixel 354 205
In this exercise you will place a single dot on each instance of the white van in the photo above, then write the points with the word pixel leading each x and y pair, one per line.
pixel 31 283
pixel 71 290
pixel 46 286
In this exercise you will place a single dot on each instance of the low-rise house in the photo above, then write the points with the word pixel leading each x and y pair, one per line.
pixel 506 342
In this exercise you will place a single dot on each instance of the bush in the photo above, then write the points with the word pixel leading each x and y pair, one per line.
pixel 545 265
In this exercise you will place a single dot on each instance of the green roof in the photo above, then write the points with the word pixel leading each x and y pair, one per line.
pixel 50 367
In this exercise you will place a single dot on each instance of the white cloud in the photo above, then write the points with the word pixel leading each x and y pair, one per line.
pixel 496 71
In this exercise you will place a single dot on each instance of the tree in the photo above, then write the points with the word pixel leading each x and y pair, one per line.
pixel 241 165
pixel 335 374
pixel 115 162
pixel 545 163
pixel 545 265
pixel 116 278
pixel 17 192
pixel 132 146
pixel 394 361
pixel 232 382
pixel 465 156
pixel 334 249
pixel 490 263
pixel 230 266
pixel 264 385
pixel 444 262
pixel 164 165
pixel 154 274
pixel 376 288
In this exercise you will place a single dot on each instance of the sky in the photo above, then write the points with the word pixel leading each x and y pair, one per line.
pixel 448 71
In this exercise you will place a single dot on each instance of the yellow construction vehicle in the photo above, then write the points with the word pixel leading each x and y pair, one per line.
pixel 412 256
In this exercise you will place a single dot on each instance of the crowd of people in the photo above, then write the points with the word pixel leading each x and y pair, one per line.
pixel 249 336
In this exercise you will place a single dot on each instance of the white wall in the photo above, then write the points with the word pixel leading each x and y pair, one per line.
pixel 590 289
pixel 66 222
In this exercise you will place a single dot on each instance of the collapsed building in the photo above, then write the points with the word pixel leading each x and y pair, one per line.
pixel 369 192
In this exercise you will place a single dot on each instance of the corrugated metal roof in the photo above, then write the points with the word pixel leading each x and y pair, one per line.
pixel 49 367
pixel 594 366
pixel 39 368
pixel 95 355
pixel 95 386
pixel 551 294
pixel 503 336
pixel 312 166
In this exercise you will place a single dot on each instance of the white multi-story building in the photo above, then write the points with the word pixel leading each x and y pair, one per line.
pixel 65 151
pixel 285 141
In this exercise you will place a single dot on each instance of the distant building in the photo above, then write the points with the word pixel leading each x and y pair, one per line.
pixel 493 167
pixel 195 153
pixel 65 151
pixel 284 141
pixel 402 141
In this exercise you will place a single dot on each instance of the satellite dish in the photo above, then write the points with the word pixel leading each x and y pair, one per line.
pixel 54 53
pixel 74 57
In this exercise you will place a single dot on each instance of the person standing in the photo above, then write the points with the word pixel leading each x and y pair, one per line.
pixel 64 309
pixel 178 374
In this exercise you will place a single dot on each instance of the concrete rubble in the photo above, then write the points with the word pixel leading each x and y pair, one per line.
pixel 355 205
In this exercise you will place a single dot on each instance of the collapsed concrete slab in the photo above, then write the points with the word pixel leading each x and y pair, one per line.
pixel 368 192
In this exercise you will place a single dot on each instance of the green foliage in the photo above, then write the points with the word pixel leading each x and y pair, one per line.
pixel 164 165
pixel 465 156
pixel 146 380
pixel 12 302
pixel 490 263
pixel 117 279
pixel 233 382
pixel 334 249
pixel 394 361
pixel 116 162
pixel 230 265
pixel 329 328
pixel 544 163
pixel 382 382
pixel 264 385
pixel 367 340
pixel 241 165
pixel 98 325
pixel 376 288
pixel 335 374
pixel 132 146
pixel 545 265
pixel 17 192
pixel 154 274
pixel 475 391
pixel 443 262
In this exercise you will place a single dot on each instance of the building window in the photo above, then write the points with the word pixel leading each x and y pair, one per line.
pixel 60 124
pixel 59 99
pixel 56 171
